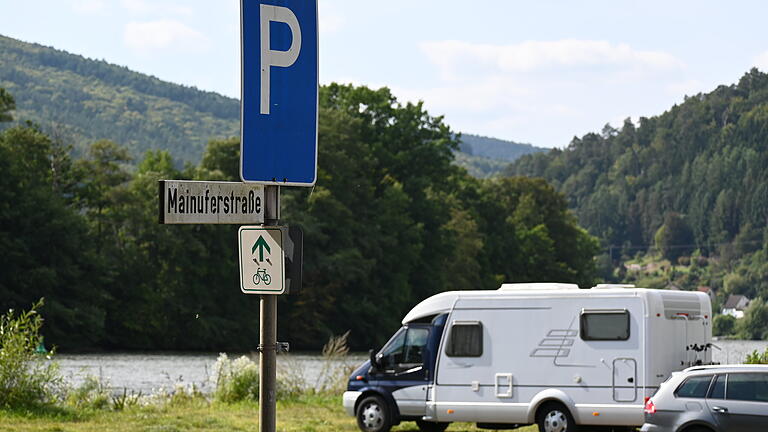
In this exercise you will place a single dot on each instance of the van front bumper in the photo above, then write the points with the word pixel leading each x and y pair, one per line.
pixel 350 398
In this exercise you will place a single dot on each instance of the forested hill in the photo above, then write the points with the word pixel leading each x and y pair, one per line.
pixel 494 148
pixel 698 169
pixel 485 157
pixel 85 100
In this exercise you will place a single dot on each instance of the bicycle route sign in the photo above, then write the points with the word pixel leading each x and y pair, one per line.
pixel 262 268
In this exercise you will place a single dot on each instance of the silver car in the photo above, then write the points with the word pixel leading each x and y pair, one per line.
pixel 726 398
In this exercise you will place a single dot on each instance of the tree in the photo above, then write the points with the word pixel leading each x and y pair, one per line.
pixel 7 104
pixel 102 171
pixel 531 236
pixel 723 325
pixel 674 238
pixel 44 244
pixel 754 325
pixel 221 160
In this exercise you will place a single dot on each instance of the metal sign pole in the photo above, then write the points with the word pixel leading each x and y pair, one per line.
pixel 268 332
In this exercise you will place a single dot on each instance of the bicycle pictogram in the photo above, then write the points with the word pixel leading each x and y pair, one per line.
pixel 262 275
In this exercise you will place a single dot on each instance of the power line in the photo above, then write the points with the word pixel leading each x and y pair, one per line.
pixel 679 246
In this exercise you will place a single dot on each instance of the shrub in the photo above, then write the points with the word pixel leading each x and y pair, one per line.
pixel 92 393
pixel 754 325
pixel 335 371
pixel 235 380
pixel 179 395
pixel 723 325
pixel 238 380
pixel 757 358
pixel 26 377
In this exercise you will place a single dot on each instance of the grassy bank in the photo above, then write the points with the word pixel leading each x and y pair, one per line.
pixel 306 413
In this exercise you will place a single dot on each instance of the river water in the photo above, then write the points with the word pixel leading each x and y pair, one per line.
pixel 150 372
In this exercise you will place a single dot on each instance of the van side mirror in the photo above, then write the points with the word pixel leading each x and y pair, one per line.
pixel 374 361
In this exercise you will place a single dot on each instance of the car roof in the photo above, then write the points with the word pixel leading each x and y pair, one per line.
pixel 727 368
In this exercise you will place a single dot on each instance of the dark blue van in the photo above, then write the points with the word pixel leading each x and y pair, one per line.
pixel 393 386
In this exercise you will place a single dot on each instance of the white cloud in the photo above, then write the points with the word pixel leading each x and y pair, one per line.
pixel 761 61
pixel 145 7
pixel 455 57
pixel 88 6
pixel 163 35
pixel 490 93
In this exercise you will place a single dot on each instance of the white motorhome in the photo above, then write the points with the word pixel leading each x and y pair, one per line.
pixel 542 353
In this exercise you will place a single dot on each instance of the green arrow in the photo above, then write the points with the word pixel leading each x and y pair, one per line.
pixel 261 244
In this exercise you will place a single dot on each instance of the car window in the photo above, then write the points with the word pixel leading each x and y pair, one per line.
pixel 718 388
pixel 748 387
pixel 694 387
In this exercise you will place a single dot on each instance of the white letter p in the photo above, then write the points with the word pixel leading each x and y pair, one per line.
pixel 271 58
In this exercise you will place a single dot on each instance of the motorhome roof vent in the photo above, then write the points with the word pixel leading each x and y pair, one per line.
pixel 609 286
pixel 537 286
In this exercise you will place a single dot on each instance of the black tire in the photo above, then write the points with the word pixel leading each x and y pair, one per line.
pixel 697 429
pixel 426 426
pixel 373 415
pixel 555 417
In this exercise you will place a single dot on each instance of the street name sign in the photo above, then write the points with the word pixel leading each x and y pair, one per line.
pixel 279 52
pixel 262 266
pixel 208 202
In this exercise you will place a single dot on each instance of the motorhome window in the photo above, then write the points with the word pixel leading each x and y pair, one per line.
pixel 465 340
pixel 605 326
pixel 694 387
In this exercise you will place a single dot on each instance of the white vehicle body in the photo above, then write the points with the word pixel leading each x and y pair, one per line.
pixel 536 348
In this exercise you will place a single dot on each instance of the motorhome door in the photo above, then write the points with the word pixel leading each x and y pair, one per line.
pixel 624 379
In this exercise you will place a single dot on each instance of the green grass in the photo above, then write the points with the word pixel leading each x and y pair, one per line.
pixel 306 414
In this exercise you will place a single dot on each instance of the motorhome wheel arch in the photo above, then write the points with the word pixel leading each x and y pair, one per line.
pixel 531 354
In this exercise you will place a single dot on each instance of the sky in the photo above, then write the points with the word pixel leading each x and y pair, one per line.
pixel 539 72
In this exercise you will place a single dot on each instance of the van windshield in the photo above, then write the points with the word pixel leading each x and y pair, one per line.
pixel 405 349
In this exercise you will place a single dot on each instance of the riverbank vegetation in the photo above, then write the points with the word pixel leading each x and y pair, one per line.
pixel 38 400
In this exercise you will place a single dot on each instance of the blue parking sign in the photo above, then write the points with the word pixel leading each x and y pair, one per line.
pixel 278 142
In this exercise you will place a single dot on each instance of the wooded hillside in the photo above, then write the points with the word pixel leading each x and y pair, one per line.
pixel 690 185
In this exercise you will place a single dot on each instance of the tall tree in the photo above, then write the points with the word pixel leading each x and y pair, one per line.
pixel 102 172
pixel 44 244
pixel 7 104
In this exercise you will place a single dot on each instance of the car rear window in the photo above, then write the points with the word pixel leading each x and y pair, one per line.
pixel 694 387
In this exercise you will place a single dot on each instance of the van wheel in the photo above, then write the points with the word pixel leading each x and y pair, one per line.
pixel 373 415
pixel 554 417
pixel 425 426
